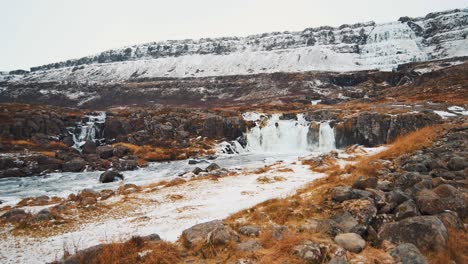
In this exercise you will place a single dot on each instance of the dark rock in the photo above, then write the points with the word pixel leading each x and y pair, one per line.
pixel 351 242
pixel 452 199
pixel 84 256
pixel 407 253
pixel 212 167
pixel 363 183
pixel 429 202
pixel 15 215
pixel 457 163
pixel 110 176
pixel 120 151
pixel 215 232
pixel 450 220
pixel 406 209
pixel 124 165
pixel 47 163
pixel 408 179
pixel 249 245
pixel 43 215
pixel 251 231
pixel 89 147
pixel 74 165
pixel 343 223
pixel 68 141
pixel 426 232
pixel 197 170
pixel 152 237
pixel 105 152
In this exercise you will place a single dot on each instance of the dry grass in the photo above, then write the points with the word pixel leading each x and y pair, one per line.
pixel 135 250
pixel 56 145
pixel 28 143
pixel 456 251
pixel 148 153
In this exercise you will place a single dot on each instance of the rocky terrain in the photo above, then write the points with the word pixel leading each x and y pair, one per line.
pixel 330 145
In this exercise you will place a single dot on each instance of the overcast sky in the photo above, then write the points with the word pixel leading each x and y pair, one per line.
pixel 36 32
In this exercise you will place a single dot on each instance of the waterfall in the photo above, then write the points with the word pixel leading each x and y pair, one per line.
pixel 274 135
pixel 90 129
pixel 326 137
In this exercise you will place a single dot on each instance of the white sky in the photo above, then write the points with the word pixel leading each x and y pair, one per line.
pixel 36 32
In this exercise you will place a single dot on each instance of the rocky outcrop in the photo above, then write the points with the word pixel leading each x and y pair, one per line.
pixel 372 129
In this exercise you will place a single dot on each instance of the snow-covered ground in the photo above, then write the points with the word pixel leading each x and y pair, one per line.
pixel 203 200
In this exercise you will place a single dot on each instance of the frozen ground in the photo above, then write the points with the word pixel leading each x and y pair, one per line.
pixel 156 212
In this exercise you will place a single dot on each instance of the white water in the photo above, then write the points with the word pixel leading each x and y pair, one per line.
pixel 326 137
pixel 89 130
pixel 272 135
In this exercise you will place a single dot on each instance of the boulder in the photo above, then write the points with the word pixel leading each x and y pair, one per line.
pixel 310 252
pixel 407 253
pixel 215 232
pixel 105 152
pixel 351 242
pixel 43 215
pixel 197 170
pixel 452 199
pixel 151 238
pixel 250 230
pixel 212 167
pixel 15 215
pixel 110 176
pixel 364 183
pixel 457 163
pixel 343 193
pixel 89 147
pixel 426 232
pixel 74 165
pixel 406 209
pixel 429 202
pixel 249 245
pixel 120 151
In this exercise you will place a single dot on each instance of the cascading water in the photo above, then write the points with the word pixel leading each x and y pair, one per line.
pixel 326 137
pixel 91 129
pixel 274 135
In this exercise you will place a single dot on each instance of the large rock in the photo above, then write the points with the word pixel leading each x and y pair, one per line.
pixel 105 152
pixel 212 167
pixel 351 242
pixel 89 147
pixel 214 232
pixel 452 199
pixel 429 202
pixel 110 176
pixel 406 209
pixel 310 252
pixel 343 193
pixel 364 183
pixel 74 165
pixel 15 215
pixel 457 163
pixel 249 245
pixel 426 232
pixel 407 253
pixel 250 230
pixel 120 151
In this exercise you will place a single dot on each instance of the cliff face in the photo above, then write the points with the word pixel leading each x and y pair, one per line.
pixel 360 46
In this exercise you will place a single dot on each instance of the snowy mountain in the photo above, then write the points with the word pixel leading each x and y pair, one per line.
pixel 362 46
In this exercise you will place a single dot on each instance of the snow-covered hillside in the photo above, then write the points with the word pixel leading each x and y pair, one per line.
pixel 361 46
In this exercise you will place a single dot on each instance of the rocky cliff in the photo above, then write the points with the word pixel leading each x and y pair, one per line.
pixel 361 46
